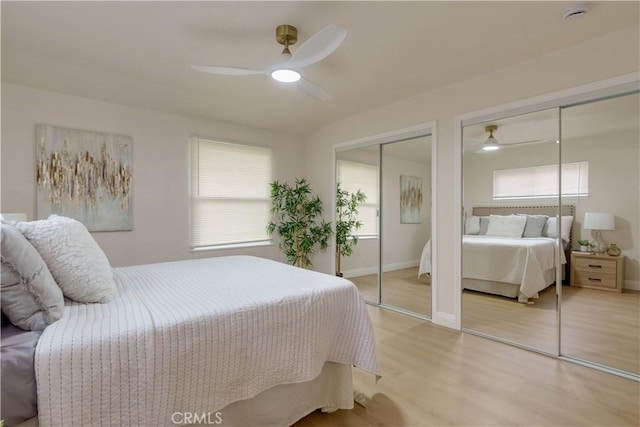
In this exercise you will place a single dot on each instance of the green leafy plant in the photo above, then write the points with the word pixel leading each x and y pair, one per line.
pixel 584 243
pixel 346 222
pixel 297 219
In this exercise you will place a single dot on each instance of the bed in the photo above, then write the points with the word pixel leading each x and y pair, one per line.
pixel 515 264
pixel 235 340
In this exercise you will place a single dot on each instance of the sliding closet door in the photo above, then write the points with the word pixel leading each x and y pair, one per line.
pixel 405 177
pixel 357 170
pixel 600 310
pixel 509 283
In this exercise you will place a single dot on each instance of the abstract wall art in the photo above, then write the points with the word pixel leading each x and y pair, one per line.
pixel 410 199
pixel 85 175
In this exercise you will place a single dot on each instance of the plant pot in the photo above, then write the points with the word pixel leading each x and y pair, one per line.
pixel 585 249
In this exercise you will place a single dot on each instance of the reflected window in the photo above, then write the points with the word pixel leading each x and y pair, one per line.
pixel 354 176
pixel 540 182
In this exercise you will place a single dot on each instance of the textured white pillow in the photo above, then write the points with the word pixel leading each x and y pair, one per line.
pixel 472 225
pixel 74 258
pixel 31 299
pixel 506 225
pixel 550 229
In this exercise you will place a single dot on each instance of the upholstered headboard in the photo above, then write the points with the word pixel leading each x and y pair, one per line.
pixel 548 210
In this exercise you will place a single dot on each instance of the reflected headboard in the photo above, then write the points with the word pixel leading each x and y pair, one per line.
pixel 565 210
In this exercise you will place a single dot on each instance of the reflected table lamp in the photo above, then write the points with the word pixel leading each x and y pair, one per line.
pixel 599 221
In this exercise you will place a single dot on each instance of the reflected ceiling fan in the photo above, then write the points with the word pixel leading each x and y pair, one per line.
pixel 492 144
pixel 287 68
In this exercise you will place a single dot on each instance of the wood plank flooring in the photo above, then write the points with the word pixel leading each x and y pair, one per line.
pixel 401 288
pixel 598 326
pixel 435 376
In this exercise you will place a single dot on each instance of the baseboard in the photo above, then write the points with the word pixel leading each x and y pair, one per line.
pixel 374 269
pixel 356 272
pixel 445 319
pixel 632 284
pixel 400 265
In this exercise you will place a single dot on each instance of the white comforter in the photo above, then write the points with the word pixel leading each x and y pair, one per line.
pixel 194 336
pixel 521 261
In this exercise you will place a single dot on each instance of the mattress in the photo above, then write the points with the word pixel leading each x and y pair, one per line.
pixel 525 262
pixel 196 336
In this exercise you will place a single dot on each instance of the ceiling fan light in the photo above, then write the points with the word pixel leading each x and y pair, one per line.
pixel 491 144
pixel 285 75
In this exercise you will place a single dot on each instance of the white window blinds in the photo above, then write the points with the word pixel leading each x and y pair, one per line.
pixel 541 181
pixel 230 193
pixel 354 176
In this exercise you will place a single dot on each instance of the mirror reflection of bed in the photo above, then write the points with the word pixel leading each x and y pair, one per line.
pixel 599 148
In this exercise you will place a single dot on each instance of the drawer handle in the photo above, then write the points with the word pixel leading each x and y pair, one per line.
pixel 591 279
pixel 594 266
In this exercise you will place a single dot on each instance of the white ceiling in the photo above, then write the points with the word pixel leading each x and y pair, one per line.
pixel 594 119
pixel 138 53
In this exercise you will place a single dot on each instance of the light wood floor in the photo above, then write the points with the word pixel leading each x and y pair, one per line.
pixel 598 326
pixel 435 376
pixel 401 288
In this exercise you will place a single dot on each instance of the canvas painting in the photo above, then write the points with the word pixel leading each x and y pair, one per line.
pixel 85 175
pixel 410 199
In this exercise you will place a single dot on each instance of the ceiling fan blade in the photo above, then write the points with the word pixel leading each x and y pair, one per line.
pixel 532 141
pixel 227 71
pixel 313 90
pixel 318 46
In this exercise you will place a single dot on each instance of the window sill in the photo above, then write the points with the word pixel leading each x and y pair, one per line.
pixel 232 246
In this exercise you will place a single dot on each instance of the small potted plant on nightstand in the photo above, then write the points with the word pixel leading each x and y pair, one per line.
pixel 585 246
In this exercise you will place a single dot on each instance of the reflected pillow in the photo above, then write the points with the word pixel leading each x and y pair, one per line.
pixel 472 225
pixel 484 225
pixel 31 299
pixel 535 225
pixel 506 225
pixel 76 261
pixel 550 229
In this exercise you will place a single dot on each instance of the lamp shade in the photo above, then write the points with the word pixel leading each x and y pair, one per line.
pixel 599 221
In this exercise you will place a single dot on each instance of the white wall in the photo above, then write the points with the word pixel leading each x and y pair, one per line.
pixel 402 243
pixel 160 171
pixel 605 57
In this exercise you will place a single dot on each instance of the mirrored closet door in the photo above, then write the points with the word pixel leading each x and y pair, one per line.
pixel 511 264
pixel 391 261
pixel 601 307
pixel 405 175
pixel 358 170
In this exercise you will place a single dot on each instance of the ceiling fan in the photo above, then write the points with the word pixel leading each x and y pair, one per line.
pixel 287 68
pixel 492 144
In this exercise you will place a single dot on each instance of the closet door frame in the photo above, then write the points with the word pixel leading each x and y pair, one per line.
pixel 379 139
pixel 616 86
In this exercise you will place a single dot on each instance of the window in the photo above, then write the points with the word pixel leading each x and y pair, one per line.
pixel 354 176
pixel 230 193
pixel 541 182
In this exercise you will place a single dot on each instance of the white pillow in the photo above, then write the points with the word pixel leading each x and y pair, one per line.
pixel 472 225
pixel 74 258
pixel 506 225
pixel 550 229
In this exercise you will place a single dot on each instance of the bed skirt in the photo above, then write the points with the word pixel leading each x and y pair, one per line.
pixel 282 405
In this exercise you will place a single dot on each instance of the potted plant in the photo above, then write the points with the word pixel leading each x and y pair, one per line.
pixel 297 219
pixel 346 222
pixel 585 246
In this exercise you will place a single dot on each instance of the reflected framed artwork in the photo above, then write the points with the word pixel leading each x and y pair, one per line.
pixel 410 199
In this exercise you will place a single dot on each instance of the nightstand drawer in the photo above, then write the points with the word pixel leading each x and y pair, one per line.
pixel 595 279
pixel 602 266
